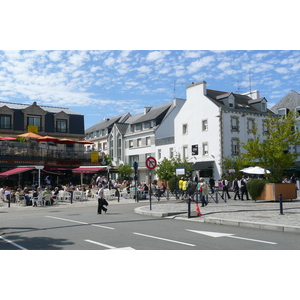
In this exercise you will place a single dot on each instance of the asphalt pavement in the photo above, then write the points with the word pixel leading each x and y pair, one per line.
pixel 248 213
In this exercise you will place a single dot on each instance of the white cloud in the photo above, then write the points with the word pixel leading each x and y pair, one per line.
pixel 198 64
pixel 223 65
pixel 282 70
pixel 156 55
pixel 55 55
pixel 144 69
pixel 109 61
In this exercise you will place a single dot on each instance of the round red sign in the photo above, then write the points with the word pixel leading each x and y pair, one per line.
pixel 151 163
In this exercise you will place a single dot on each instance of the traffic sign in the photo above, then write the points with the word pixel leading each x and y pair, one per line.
pixel 151 163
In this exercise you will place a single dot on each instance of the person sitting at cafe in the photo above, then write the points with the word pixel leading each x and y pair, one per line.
pixel 54 195
pixel 26 196
pixel 45 192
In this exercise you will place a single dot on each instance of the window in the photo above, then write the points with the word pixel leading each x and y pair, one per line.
pixel 250 125
pixel 61 126
pixel 204 125
pixel 282 111
pixel 234 124
pixel 139 142
pixel 235 146
pixel 185 151
pixel 138 127
pixel 148 141
pixel 184 129
pixel 131 144
pixel 104 146
pixel 159 153
pixel 119 151
pixel 171 152
pixel 265 127
pixel 147 125
pixel 132 159
pixel 5 122
pixel 205 149
pixel 34 121
pixel 263 106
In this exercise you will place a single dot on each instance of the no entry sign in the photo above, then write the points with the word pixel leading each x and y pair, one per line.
pixel 151 163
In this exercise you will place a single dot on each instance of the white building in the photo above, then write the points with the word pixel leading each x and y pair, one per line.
pixel 211 125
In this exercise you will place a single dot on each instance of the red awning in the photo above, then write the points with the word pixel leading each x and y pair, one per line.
pixel 16 171
pixel 88 170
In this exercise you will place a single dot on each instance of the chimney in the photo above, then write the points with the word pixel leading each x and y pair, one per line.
pixel 147 109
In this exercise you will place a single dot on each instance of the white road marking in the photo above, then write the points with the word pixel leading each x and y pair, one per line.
pixel 84 223
pixel 102 226
pixel 163 239
pixel 11 242
pixel 68 220
pixel 230 235
pixel 108 246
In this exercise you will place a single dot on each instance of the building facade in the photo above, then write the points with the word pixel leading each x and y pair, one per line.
pixel 204 128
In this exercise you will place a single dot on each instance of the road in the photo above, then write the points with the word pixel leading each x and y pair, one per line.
pixel 80 228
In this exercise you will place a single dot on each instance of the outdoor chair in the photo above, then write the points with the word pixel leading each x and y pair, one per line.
pixel 20 200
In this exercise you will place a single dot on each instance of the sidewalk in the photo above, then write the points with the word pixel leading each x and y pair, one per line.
pixel 259 214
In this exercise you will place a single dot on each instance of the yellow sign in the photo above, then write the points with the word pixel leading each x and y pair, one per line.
pixel 94 156
pixel 34 129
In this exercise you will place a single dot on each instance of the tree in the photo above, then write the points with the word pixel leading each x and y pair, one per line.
pixel 125 171
pixel 165 169
pixel 271 151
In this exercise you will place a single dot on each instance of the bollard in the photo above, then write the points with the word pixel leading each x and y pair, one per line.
pixel 8 200
pixel 280 204
pixel 189 207
pixel 216 195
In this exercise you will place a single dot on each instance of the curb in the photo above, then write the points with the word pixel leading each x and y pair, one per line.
pixel 211 220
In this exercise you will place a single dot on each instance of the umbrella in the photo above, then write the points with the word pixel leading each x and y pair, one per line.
pixel 65 141
pixel 47 138
pixel 30 135
pixel 255 170
pixel 84 142
pixel 8 138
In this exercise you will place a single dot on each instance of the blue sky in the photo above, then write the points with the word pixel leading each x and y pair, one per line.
pixel 82 73
pixel 107 83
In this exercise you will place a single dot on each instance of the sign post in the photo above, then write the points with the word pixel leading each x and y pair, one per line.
pixel 150 164
pixel 135 167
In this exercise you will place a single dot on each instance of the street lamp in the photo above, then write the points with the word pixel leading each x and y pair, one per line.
pixel 39 168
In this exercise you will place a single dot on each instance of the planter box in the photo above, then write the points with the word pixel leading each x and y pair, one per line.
pixel 272 190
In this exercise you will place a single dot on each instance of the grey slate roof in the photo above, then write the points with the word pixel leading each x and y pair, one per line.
pixel 290 101
pixel 107 123
pixel 154 113
pixel 241 101
pixel 50 109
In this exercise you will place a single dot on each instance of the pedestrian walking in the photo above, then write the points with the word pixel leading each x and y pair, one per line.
pixel 212 184
pixel 203 191
pixel 236 187
pixel 225 184
pixel 244 190
pixel 101 200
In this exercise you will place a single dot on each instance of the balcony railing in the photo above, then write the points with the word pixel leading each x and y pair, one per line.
pixel 19 152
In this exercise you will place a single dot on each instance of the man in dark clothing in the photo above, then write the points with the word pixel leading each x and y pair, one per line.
pixel 211 184
pixel 244 189
pixel 236 188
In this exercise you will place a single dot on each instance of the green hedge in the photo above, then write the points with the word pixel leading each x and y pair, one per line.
pixel 255 187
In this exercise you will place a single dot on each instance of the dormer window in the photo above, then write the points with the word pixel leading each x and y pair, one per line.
pixel 282 111
pixel 263 107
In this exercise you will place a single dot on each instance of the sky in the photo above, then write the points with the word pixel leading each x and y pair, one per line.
pixel 105 59
pixel 107 83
